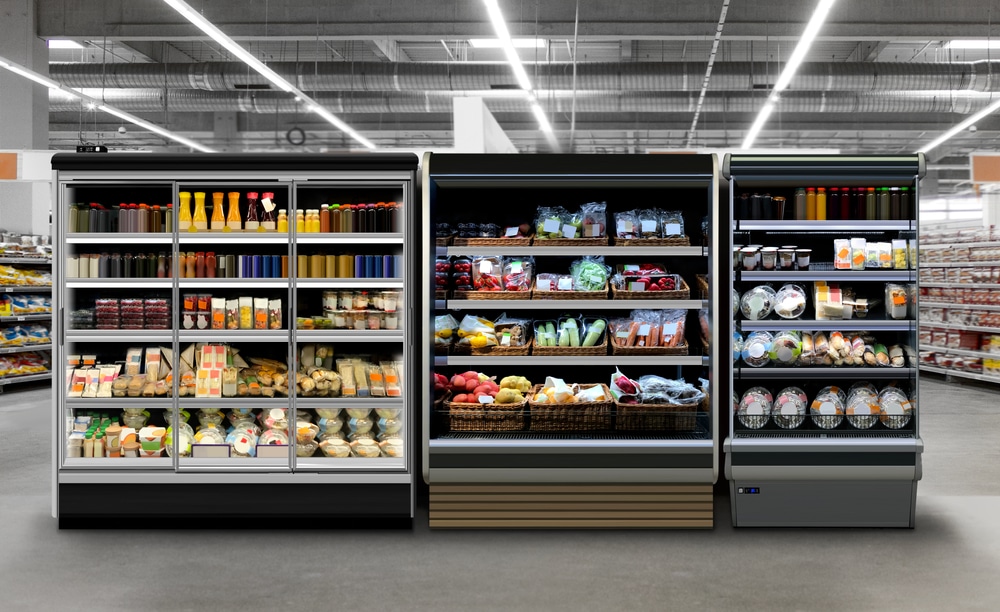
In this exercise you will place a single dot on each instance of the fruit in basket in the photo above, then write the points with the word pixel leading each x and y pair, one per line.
pixel 458 382
pixel 509 396
pixel 517 383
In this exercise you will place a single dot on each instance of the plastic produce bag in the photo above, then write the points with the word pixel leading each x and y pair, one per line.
pixel 517 273
pixel 553 282
pixel 486 273
pixel 589 274
pixel 671 223
pixel 672 327
pixel 477 332
pixel 568 333
pixel 595 219
pixel 545 333
pixel 626 225
pixel 550 222
pixel 512 331
pixel 593 331
pixel 649 223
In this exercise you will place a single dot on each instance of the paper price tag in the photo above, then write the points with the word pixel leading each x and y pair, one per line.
pixel 486 267
pixel 756 351
pixel 621 334
pixel 644 330
pixel 505 339
pixel 631 267
pixel 671 229
pixel 515 267
pixel 636 286
pixel 485 399
pixel 648 226
pixel 268 204
pixel 551 226
pixel 511 231
pixel 569 231
pixel 863 409
pixel 669 329
pixel 624 227
pixel 593 230
pixel 544 285
pixel 565 284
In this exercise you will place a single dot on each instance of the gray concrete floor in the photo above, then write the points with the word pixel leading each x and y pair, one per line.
pixel 950 561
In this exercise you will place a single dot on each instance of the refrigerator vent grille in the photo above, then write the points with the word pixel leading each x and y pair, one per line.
pixel 816 435
pixel 597 435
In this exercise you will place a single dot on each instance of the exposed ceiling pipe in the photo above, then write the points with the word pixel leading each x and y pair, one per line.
pixel 604 76
pixel 151 100
pixel 708 71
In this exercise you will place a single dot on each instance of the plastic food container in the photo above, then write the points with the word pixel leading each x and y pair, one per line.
pixel 789 409
pixel 243 443
pixel 335 434
pixel 896 299
pixel 736 302
pixel 245 424
pixel 365 447
pixel 135 421
pixel 305 432
pixel 358 413
pixel 389 413
pixel 756 348
pixel 390 426
pixel 307 449
pixel 895 409
pixel 274 418
pixel 392 447
pixel 209 434
pixel 273 437
pixel 328 413
pixel 862 406
pixel 737 346
pixel 754 409
pixel 210 417
pixel 185 439
pixel 335 447
pixel 785 348
pixel 827 410
pixel 758 303
pixel 790 302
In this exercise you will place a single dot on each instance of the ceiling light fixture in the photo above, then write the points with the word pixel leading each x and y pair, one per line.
pixel 95 103
pixel 791 67
pixel 517 43
pixel 972 44
pixel 507 44
pixel 247 58
pixel 60 43
pixel 958 128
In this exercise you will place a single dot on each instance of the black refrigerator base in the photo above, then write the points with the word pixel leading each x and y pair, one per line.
pixel 817 503
pixel 102 505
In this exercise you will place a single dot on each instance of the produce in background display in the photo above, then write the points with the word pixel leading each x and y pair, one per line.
pixel 476 332
pixel 445 327
pixel 557 391
pixel 517 273
pixel 650 223
pixel 650 328
pixel 589 274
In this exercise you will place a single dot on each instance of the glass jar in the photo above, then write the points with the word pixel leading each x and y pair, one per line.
pixel 345 300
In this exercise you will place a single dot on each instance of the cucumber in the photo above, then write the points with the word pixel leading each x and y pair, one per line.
pixel 573 330
pixel 594 333
pixel 550 331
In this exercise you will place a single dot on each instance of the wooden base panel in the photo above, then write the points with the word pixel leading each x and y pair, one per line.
pixel 571 506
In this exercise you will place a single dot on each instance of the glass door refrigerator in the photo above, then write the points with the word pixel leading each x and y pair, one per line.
pixel 824 425
pixel 233 337
pixel 566 311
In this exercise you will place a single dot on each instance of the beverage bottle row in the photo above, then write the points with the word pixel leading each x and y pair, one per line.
pixel 853 203
pixel 124 217
pixel 348 218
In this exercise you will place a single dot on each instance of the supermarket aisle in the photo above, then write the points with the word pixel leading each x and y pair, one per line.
pixel 950 560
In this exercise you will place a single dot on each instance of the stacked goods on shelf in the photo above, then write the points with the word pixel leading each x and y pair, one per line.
pixel 320 374
pixel 198 264
pixel 22 364
pixel 370 217
pixel 357 310
pixel 587 280
pixel 831 302
pixel 320 265
pixel 649 332
pixel 828 203
pixel 654 403
pixel 121 218
pixel 121 265
pixel 862 405
pixel 650 227
pixel 647 281
pixel 960 325
pixel 202 311
pixel 22 304
pixel 495 277
pixel 260 213
pixel 145 372
pixel 789 348
pixel 123 313
pixel 556 226
pixel 14 276
pixel 23 335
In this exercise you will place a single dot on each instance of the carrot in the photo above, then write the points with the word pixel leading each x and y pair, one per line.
pixel 633 329
pixel 654 335
pixel 675 340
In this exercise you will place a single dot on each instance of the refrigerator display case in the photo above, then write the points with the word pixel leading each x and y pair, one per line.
pixel 824 425
pixel 234 337
pixel 546 278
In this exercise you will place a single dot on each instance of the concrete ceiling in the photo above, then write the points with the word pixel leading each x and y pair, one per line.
pixel 879 79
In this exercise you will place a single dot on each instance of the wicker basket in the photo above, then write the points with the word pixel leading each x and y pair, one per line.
pixel 571 351
pixel 702 282
pixel 682 293
pixel 445 241
pixel 572 242
pixel 505 351
pixel 673 241
pixel 491 242
pixel 641 351
pixel 656 417
pixel 442 349
pixel 490 295
pixel 485 417
pixel 570 417
pixel 567 295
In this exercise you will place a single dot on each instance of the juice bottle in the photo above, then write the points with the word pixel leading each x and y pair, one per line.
pixel 168 219
pixel 267 219
pixel 300 222
pixel 200 219
pixel 233 220
pixel 283 221
pixel 883 203
pixel 821 204
pixel 183 212
pixel 870 204
pixel 252 223
pixel 833 203
pixel 218 217
pixel 335 218
pixel 811 203
pixel 324 219
pixel 346 218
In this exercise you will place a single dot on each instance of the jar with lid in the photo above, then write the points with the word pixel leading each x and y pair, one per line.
pixel 300 221
pixel 324 219
pixel 282 221
pixel 335 218
pixel 210 264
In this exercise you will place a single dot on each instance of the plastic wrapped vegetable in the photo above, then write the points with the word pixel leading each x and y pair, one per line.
pixel 755 349
pixel 550 222
pixel 444 328
pixel 477 332
pixel 659 390
pixel 627 225
pixel 517 273
pixel 672 223
pixel 589 274
pixel 672 327
pixel 595 219
pixel 593 331
pixel 545 333
pixel 649 223
pixel 786 348
pixel 486 273
pixel 568 332
pixel 553 282
pixel 512 331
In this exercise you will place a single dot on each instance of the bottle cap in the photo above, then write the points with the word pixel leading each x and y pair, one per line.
pixel 822 188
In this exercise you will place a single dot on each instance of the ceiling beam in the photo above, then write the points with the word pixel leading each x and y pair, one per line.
pixel 389 50
pixel 867 51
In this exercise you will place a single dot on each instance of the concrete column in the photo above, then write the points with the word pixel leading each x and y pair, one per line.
pixel 24 115
pixel 226 131
pixel 991 209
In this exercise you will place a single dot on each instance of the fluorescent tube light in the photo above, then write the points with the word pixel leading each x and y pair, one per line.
pixel 791 67
pixel 806 41
pixel 31 75
pixel 59 43
pixel 972 44
pixel 758 124
pixel 517 43
pixel 247 58
pixel 503 38
pixel 154 128
pixel 989 110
